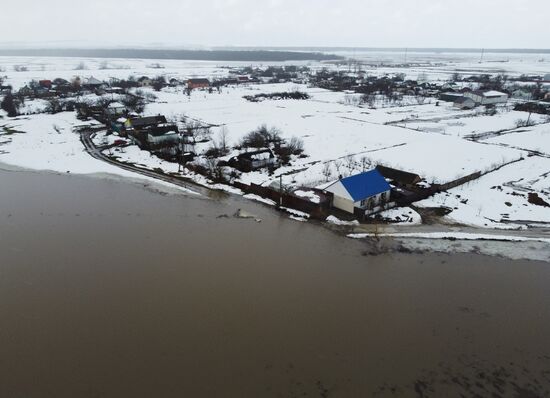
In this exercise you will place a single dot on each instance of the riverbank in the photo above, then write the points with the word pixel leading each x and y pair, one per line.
pixel 53 142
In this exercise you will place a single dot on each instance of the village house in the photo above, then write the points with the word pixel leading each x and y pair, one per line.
pixel 254 160
pixel 491 97
pixel 60 82
pixel 144 122
pixel 144 81
pixel 115 110
pixel 174 82
pixel 154 134
pixel 197 83
pixel 45 84
pixel 92 84
pixel 368 191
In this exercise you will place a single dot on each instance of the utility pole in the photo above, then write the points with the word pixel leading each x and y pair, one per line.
pixel 280 190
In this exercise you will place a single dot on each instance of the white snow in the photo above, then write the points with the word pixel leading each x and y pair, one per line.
pixel 500 198
pixel 336 221
pixel 309 195
pixel 402 216
pixel 452 235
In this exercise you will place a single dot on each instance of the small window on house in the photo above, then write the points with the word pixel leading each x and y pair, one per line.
pixel 363 203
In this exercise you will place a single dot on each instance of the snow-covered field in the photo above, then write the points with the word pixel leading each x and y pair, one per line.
pixel 465 126
pixel 332 131
pixel 535 138
pixel 499 199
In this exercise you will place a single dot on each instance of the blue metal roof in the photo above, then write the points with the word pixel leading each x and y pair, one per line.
pixel 365 185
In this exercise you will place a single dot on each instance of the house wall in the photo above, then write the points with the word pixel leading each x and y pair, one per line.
pixel 343 204
pixel 377 200
pixel 465 105
pixel 494 100
pixel 475 97
pixel 257 164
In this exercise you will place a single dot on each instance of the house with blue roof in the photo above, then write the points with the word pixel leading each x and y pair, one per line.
pixel 368 191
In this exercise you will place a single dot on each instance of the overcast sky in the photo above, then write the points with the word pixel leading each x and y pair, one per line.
pixel 352 23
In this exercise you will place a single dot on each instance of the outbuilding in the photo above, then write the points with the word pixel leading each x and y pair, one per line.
pixel 487 97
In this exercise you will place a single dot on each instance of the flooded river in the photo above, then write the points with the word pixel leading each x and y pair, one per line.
pixel 112 289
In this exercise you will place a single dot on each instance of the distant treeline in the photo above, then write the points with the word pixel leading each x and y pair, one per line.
pixel 398 50
pixel 199 55
pixel 294 95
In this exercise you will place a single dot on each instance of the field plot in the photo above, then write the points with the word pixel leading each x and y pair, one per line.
pixel 501 198
pixel 475 124
pixel 535 138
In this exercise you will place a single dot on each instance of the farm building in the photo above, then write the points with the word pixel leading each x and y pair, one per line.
pixel 487 97
pixel 198 83
pixel 367 191
pixel 450 96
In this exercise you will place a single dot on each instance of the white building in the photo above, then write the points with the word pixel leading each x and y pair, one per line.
pixel 368 191
pixel 487 97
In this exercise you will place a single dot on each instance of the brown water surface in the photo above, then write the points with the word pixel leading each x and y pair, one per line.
pixel 108 289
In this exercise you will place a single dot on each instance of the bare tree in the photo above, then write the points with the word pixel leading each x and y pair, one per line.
pixel 81 66
pixel 338 166
pixel 327 171
pixel 296 146
pixel 223 134
pixel 365 162
pixel 350 162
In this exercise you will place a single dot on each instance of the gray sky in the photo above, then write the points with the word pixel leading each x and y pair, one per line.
pixel 354 23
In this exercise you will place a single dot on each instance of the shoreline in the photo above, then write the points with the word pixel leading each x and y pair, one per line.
pixel 388 239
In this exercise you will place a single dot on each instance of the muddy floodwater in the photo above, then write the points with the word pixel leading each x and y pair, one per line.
pixel 113 289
